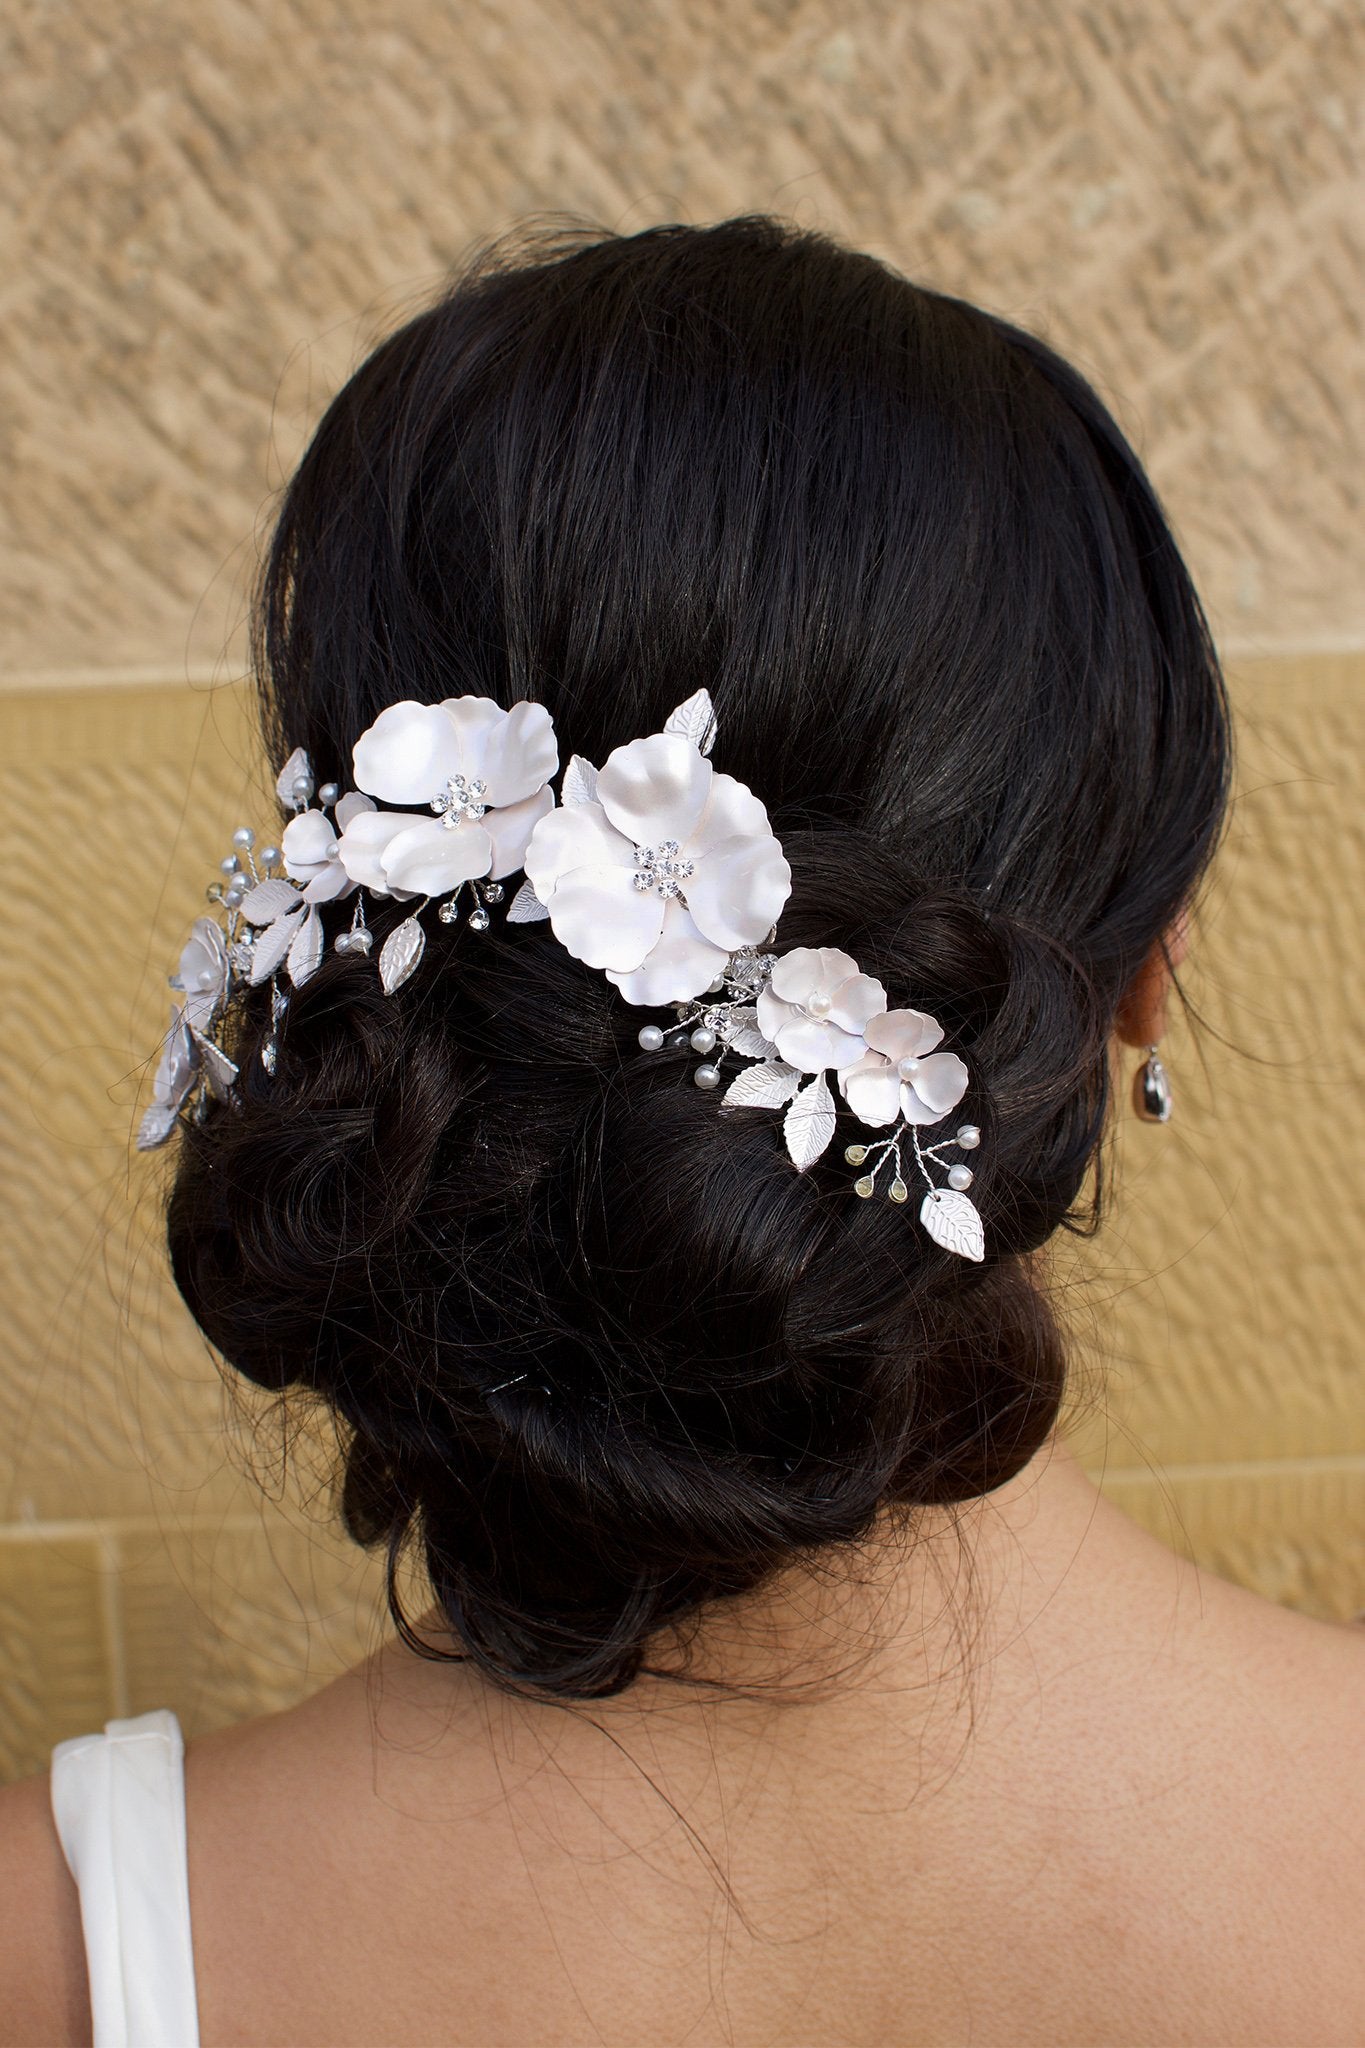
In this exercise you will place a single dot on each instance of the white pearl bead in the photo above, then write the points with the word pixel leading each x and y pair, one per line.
pixel 959 1177
pixel 234 898
pixel 329 792
pixel 818 1004
pixel 707 1076
pixel 651 1037
pixel 230 864
pixel 243 837
pixel 268 856
pixel 703 1039
pixel 908 1067
pixel 968 1137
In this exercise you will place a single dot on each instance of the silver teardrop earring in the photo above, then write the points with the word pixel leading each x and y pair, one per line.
pixel 1152 1090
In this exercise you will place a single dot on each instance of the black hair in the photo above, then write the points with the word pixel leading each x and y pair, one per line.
pixel 597 1350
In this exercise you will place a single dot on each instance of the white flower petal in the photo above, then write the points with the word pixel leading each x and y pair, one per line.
pixel 474 720
pixel 519 754
pixel 361 847
pixel 814 1043
pixel 306 844
pixel 678 967
pixel 600 917
pixel 857 1000
pixel 772 1013
pixel 732 811
pixel 408 754
pixel 328 884
pixel 738 890
pixel 511 827
pixel 350 806
pixel 177 1066
pixel 431 858
pixel 576 836
pixel 939 1085
pixel 808 970
pixel 203 965
pixel 903 1034
pixel 871 1087
pixel 654 788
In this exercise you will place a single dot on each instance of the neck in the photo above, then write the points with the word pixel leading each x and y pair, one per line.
pixel 924 1610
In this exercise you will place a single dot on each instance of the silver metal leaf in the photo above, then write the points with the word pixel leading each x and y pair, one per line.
pixel 808 1125
pixel 219 1071
pixel 269 900
pixel 750 1043
pixel 954 1222
pixel 525 907
pixel 580 782
pixel 766 1086
pixel 270 948
pixel 306 950
pixel 695 719
pixel 400 953
pixel 295 769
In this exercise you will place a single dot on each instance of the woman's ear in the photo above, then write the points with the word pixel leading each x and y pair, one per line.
pixel 1141 1017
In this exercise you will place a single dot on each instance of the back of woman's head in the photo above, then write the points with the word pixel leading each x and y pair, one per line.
pixel 596 1347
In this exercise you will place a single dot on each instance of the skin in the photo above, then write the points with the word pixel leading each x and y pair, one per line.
pixel 1029 1779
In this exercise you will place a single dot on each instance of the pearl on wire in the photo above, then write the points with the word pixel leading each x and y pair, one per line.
pixel 651 1037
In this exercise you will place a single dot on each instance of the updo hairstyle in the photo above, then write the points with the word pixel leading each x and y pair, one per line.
pixel 598 1353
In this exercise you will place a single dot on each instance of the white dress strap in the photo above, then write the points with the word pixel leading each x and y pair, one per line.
pixel 119 1803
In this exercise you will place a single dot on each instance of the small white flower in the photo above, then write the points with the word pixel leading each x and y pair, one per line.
pixel 816 1007
pixel 901 1074
pixel 662 872
pixel 202 973
pixel 311 849
pixel 483 772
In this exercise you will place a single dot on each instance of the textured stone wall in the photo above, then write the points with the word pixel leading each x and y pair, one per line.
pixel 212 213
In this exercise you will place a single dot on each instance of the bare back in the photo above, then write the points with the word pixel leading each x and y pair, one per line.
pixel 1140 1817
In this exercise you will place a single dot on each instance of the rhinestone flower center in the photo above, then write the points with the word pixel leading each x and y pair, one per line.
pixel 462 798
pixel 663 868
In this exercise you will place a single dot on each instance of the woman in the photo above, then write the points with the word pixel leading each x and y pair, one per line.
pixel 781 1679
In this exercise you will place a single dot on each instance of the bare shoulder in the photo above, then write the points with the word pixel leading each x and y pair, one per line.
pixel 43 1998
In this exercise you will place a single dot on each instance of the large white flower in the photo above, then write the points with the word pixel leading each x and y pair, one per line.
pixel 310 847
pixel 658 868
pixel 901 1074
pixel 481 769
pixel 816 1006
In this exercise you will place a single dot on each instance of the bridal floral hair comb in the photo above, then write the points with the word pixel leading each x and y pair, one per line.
pixel 657 869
